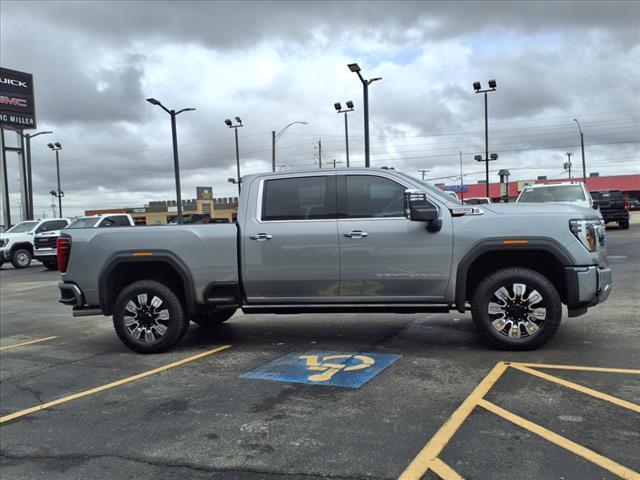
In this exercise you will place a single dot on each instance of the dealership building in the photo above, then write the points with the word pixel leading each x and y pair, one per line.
pixel 165 211
pixel 629 185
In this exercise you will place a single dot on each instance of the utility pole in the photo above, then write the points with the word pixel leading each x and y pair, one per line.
pixel 355 68
pixel 422 171
pixel 334 162
pixel 584 165
pixel 492 88
pixel 461 178
pixel 567 165
pixel 320 153
pixel 273 150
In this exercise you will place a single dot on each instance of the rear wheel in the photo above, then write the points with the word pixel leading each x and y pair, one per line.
pixel 50 264
pixel 21 258
pixel 216 317
pixel 149 317
pixel 516 309
pixel 623 224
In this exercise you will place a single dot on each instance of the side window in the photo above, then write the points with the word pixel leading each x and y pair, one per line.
pixel 121 221
pixel 369 196
pixel 302 198
pixel 108 222
pixel 47 227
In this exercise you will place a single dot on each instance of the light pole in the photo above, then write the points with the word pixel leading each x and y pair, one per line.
pixel 492 88
pixel 274 138
pixel 174 135
pixel 354 67
pixel 27 137
pixel 230 124
pixel 339 109
pixel 584 165
pixel 490 158
pixel 56 147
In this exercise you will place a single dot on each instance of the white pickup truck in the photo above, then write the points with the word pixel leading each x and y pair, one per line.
pixel 102 221
pixel 17 243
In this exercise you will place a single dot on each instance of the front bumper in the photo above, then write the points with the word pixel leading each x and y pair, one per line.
pixel 5 254
pixel 586 287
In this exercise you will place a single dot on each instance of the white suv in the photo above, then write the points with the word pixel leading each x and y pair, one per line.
pixel 17 243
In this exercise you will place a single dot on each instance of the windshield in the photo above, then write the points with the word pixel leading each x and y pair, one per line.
pixel 445 196
pixel 86 222
pixel 23 227
pixel 570 193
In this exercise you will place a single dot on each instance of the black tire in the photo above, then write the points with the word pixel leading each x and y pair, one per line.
pixel 50 264
pixel 131 330
pixel 623 224
pixel 214 318
pixel 518 312
pixel 21 258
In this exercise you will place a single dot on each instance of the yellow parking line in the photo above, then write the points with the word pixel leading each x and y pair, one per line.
pixel 580 388
pixel 444 471
pixel 423 461
pixel 604 462
pixel 27 343
pixel 117 383
pixel 574 367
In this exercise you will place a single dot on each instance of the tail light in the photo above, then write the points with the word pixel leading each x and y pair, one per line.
pixel 64 249
pixel 626 204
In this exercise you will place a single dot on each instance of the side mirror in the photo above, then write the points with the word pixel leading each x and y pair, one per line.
pixel 419 209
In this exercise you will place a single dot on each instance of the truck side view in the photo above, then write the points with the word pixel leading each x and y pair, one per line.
pixel 343 240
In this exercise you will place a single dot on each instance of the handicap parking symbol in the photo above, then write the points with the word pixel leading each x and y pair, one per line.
pixel 351 370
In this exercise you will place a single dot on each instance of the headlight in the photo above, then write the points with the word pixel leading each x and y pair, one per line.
pixel 3 242
pixel 590 232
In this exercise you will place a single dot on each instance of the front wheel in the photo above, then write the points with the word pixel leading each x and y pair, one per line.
pixel 21 258
pixel 210 319
pixel 149 317
pixel 516 309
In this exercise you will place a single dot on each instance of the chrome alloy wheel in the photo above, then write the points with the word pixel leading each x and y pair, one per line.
pixel 22 259
pixel 146 321
pixel 515 314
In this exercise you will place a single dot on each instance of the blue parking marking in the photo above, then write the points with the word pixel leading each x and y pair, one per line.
pixel 338 369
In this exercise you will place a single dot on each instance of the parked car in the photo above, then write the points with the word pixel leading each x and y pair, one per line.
pixel 343 240
pixel 613 206
pixel 103 221
pixel 634 204
pixel 17 243
pixel 477 201
pixel 575 193
pixel 44 244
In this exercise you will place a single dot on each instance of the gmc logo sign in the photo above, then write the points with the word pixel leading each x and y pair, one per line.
pixel 17 102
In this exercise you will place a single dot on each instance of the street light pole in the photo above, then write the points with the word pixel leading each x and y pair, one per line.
pixel 174 136
pixel 230 124
pixel 492 88
pixel 56 147
pixel 354 67
pixel 274 138
pixel 27 137
pixel 349 108
pixel 584 165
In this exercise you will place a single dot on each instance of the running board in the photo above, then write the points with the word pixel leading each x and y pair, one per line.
pixel 86 311
pixel 348 308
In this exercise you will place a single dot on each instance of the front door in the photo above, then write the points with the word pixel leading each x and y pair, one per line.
pixel 290 240
pixel 383 255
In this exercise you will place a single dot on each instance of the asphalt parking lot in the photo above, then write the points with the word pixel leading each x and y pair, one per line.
pixel 75 403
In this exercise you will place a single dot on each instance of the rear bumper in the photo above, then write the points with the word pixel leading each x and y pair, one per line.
pixel 70 294
pixel 49 253
pixel 586 287
pixel 615 216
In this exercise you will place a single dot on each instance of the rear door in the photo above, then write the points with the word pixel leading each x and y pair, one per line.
pixel 290 240
pixel 383 255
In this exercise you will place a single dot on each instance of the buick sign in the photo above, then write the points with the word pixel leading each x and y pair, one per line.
pixel 17 109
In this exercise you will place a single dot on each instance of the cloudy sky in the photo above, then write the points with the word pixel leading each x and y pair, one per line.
pixel 273 63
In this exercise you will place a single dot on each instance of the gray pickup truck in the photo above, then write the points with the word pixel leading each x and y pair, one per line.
pixel 343 240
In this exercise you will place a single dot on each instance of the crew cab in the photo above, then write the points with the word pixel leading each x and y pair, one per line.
pixel 344 240
pixel 17 243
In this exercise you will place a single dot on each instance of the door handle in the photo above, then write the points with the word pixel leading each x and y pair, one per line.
pixel 356 234
pixel 261 237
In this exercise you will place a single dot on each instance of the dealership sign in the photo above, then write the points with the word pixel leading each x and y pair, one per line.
pixel 17 109
pixel 456 188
